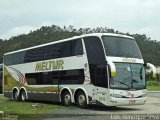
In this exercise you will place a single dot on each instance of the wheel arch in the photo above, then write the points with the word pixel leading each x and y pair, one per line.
pixel 65 89
pixel 15 88
pixel 23 88
pixel 76 92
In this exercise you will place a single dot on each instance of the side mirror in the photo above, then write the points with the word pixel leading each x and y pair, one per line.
pixel 152 69
pixel 112 68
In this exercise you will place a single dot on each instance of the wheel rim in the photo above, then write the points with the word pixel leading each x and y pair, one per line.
pixel 67 99
pixel 23 97
pixel 16 96
pixel 81 99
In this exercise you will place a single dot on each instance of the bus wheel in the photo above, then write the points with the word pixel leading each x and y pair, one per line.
pixel 15 95
pixel 81 100
pixel 66 98
pixel 23 95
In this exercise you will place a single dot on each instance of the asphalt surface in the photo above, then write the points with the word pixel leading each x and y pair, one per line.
pixel 149 111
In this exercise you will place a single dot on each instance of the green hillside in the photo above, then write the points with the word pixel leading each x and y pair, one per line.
pixel 150 48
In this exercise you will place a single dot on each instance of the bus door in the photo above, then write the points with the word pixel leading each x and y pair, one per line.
pixel 97 67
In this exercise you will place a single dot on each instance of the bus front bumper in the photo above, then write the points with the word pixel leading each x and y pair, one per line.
pixel 126 101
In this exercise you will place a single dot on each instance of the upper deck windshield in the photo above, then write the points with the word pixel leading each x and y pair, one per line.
pixel 121 47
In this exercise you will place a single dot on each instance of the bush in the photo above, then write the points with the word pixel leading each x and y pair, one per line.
pixel 153 83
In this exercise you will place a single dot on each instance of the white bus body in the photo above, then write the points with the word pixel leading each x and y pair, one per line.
pixel 100 68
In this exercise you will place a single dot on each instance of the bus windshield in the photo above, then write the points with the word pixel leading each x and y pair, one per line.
pixel 121 47
pixel 129 76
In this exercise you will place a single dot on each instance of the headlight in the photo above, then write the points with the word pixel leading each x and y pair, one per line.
pixel 116 95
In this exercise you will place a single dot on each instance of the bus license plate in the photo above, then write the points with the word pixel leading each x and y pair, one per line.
pixel 132 101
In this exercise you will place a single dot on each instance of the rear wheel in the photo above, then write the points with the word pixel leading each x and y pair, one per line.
pixel 23 95
pixel 15 95
pixel 81 100
pixel 66 98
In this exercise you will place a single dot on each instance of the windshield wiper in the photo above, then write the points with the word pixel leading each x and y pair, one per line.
pixel 122 83
pixel 133 81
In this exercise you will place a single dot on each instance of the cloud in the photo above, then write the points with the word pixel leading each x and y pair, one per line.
pixel 23 30
pixel 17 31
pixel 122 15
pixel 145 30
pixel 150 32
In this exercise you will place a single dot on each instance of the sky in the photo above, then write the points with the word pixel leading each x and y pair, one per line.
pixel 133 16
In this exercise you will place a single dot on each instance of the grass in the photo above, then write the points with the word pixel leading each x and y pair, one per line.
pixel 28 109
pixel 153 88
pixel 153 85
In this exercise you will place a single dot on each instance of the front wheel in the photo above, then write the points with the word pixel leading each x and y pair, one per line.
pixel 66 98
pixel 81 100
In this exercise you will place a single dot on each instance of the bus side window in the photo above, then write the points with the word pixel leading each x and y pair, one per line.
pixel 96 60
pixel 65 50
pixel 55 77
pixel 76 48
pixel 71 76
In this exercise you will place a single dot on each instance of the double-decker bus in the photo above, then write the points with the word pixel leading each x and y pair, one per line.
pixel 100 68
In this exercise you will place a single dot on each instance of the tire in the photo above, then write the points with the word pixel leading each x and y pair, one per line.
pixel 23 96
pixel 81 100
pixel 15 95
pixel 66 98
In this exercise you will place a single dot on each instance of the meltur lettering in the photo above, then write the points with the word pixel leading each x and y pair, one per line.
pixel 49 65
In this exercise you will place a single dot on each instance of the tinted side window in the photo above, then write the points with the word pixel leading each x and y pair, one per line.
pixel 59 50
pixel 96 60
pixel 71 76
pixel 15 58
pixel 66 49
pixel 44 53
pixel 76 48
pixel 56 77
pixel 1 67
pixel 43 78
pixel 32 78
pixel 72 48
pixel 94 50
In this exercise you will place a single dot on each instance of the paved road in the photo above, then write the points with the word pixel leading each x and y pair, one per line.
pixel 149 111
pixel 153 94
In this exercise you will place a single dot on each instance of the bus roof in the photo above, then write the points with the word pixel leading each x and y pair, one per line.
pixel 71 38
